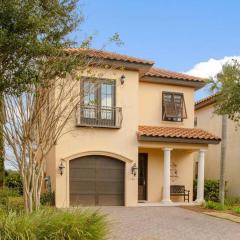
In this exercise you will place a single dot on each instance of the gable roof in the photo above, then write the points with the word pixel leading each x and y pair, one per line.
pixel 176 134
pixel 205 102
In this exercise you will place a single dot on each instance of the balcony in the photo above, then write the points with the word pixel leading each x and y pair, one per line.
pixel 99 116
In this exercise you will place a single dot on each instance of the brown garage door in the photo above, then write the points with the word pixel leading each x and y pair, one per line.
pixel 96 180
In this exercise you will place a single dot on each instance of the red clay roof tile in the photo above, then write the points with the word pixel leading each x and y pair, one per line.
pixel 157 72
pixel 205 102
pixel 153 72
pixel 110 55
pixel 174 132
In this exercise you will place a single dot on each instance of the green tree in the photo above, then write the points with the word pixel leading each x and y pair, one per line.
pixel 35 58
pixel 227 85
pixel 33 36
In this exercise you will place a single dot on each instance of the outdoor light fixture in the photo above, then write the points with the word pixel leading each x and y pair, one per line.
pixel 61 167
pixel 122 79
pixel 134 169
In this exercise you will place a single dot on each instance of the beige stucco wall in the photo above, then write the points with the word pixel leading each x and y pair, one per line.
pixel 183 161
pixel 141 104
pixel 150 104
pixel 211 122
pixel 121 143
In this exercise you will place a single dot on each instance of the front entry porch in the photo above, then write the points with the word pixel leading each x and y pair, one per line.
pixel 171 154
pixel 161 169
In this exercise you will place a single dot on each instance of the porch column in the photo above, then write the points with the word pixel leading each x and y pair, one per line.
pixel 166 175
pixel 200 180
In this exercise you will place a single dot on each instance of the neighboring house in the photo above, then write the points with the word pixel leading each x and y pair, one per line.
pixel 205 118
pixel 134 136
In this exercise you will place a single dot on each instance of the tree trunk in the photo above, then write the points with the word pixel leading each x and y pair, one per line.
pixel 30 202
pixel 25 200
pixel 223 160
pixel 2 171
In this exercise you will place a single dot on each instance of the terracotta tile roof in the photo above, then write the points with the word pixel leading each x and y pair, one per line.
pixel 157 72
pixel 153 72
pixel 110 55
pixel 205 101
pixel 174 132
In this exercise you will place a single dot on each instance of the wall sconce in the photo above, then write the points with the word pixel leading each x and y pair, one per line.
pixel 61 168
pixel 134 169
pixel 122 79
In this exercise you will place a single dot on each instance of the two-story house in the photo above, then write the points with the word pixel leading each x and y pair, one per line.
pixel 133 137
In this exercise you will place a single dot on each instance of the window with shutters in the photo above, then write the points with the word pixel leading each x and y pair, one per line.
pixel 173 106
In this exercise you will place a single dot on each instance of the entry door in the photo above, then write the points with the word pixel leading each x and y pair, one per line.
pixel 142 176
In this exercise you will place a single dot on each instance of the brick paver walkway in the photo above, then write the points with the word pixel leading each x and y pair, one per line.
pixel 167 223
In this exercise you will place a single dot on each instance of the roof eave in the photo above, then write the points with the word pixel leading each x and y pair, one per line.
pixel 142 68
pixel 173 81
pixel 206 102
pixel 202 105
pixel 177 140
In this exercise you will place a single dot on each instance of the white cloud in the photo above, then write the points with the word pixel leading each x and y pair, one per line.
pixel 208 69
pixel 211 67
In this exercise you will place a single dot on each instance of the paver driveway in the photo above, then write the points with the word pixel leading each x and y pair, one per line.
pixel 167 223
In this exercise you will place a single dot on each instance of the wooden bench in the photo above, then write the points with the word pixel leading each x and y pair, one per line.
pixel 179 190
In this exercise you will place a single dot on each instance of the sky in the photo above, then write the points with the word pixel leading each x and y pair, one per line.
pixel 192 36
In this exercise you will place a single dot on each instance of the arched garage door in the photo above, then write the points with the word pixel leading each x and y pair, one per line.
pixel 96 180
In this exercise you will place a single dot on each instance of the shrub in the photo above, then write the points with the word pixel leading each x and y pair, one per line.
pixel 231 201
pixel 48 199
pixel 53 224
pixel 236 210
pixel 15 204
pixel 211 190
pixel 10 200
pixel 6 192
pixel 214 205
pixel 13 181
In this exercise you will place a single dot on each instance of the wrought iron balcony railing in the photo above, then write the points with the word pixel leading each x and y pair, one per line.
pixel 99 116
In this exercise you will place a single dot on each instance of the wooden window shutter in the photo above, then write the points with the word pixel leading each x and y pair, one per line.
pixel 174 108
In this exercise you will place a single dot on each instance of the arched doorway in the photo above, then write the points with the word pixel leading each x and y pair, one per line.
pixel 96 180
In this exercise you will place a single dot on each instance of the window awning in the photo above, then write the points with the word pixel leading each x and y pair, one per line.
pixel 174 134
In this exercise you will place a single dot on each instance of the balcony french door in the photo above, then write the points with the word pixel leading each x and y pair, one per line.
pixel 98 102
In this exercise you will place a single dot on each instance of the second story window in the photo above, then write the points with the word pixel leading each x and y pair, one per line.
pixel 98 95
pixel 98 103
pixel 173 107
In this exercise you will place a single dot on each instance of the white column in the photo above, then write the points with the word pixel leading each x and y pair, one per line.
pixel 200 180
pixel 166 175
